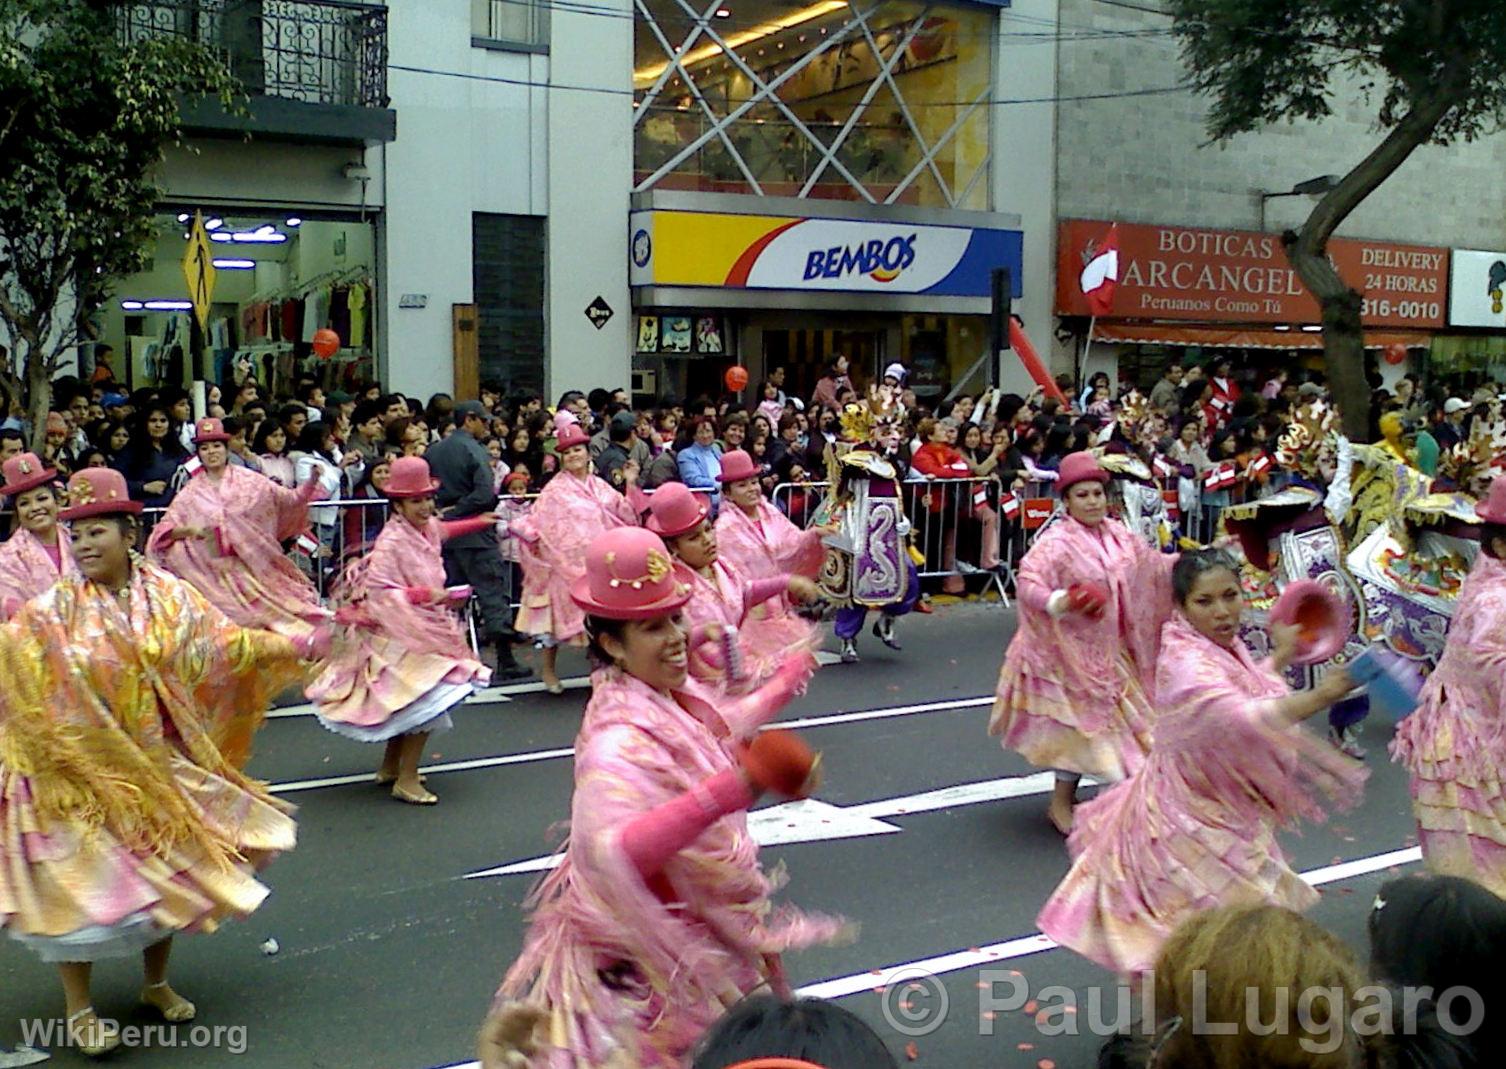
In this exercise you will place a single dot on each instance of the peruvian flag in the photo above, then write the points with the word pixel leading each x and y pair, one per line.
pixel 1100 277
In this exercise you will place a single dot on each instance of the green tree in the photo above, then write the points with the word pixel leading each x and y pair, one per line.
pixel 86 111
pixel 1435 71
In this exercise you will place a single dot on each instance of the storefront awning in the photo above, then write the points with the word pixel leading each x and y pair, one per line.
pixel 1215 337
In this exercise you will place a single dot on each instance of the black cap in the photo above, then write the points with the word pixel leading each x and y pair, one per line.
pixel 472 408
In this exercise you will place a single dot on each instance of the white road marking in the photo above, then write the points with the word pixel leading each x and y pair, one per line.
pixel 812 821
pixel 1024 946
pixel 503 692
pixel 551 755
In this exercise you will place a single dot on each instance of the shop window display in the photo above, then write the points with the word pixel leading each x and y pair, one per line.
pixel 279 278
pixel 829 100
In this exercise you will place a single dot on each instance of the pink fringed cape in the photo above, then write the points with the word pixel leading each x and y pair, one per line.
pixel 26 569
pixel 728 598
pixel 1195 827
pixel 628 979
pixel 404 665
pixel 763 548
pixel 241 567
pixel 552 543
pixel 1453 745
pixel 1075 693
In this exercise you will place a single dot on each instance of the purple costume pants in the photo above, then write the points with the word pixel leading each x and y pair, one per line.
pixel 849 621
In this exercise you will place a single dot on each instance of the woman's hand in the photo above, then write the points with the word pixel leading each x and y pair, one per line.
pixel 803 590
pixel 630 473
pixel 1284 639
pixel 156 486
pixel 351 459
pixel 510 1037
pixel 1334 687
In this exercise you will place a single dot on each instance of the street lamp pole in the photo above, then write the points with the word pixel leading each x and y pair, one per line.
pixel 1313 187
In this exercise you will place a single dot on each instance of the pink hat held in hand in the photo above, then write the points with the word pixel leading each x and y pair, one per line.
pixel 631 576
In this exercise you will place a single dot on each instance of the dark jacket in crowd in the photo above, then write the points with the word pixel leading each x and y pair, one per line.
pixel 466 484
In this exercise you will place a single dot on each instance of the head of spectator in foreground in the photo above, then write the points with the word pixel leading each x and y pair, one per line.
pixel 1445 933
pixel 764 1032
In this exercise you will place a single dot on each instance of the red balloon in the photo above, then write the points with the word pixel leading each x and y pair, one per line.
pixel 736 378
pixel 326 342
pixel 1396 353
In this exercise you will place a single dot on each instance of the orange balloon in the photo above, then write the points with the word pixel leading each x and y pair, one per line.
pixel 736 378
pixel 1396 353
pixel 326 342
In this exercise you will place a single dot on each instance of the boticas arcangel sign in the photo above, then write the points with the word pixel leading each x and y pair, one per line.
pixel 1236 276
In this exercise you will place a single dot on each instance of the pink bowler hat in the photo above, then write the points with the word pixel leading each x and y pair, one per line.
pixel 98 492
pixel 1079 467
pixel 737 466
pixel 674 510
pixel 631 576
pixel 1320 613
pixel 410 478
pixel 1492 510
pixel 209 430
pixel 25 472
pixel 568 437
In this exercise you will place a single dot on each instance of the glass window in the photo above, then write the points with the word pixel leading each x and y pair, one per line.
pixel 828 100
pixel 524 22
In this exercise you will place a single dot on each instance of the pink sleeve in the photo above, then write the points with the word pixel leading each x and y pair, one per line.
pixel 651 838
pixel 1035 587
pixel 637 500
pixel 459 528
pixel 747 714
pixel 761 590
pixel 418 595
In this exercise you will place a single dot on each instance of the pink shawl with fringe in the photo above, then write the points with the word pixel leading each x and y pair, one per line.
pixel 769 545
pixel 552 542
pixel 623 974
pixel 26 569
pixel 241 568
pixel 376 588
pixel 1077 652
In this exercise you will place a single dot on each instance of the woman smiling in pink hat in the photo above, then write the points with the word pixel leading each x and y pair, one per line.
pixel 658 917
pixel 40 551
pixel 575 506
pixel 408 664
pixel 738 653
pixel 1078 679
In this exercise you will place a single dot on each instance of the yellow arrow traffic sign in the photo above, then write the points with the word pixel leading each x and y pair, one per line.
pixel 198 270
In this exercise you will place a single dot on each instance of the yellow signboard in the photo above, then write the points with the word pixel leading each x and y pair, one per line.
pixel 198 270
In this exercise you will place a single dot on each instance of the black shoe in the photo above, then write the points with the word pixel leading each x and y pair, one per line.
pixel 511 636
pixel 514 672
pixel 883 630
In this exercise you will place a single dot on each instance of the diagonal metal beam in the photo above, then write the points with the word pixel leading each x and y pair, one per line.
pixel 654 90
pixel 828 153
pixel 695 90
pixel 765 90
pixel 978 174
pixel 940 143
pixel 927 153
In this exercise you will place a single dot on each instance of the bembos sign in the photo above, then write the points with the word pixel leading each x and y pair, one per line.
pixel 1231 276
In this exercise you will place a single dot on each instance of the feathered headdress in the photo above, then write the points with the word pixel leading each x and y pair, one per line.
pixel 1308 439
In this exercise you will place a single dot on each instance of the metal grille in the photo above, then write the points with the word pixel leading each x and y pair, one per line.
pixel 316 51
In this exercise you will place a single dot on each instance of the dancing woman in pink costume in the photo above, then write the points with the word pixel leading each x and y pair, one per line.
pixel 1452 745
pixel 724 652
pixel 1195 827
pixel 408 664
pixel 1078 679
pixel 756 538
pixel 223 534
pixel 574 507
pixel 40 551
pixel 659 915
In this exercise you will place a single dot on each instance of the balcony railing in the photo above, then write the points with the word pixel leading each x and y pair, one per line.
pixel 315 51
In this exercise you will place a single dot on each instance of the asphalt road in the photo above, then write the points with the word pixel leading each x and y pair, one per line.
pixel 387 955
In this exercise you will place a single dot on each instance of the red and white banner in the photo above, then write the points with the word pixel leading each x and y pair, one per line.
pixel 1009 505
pixel 1220 478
